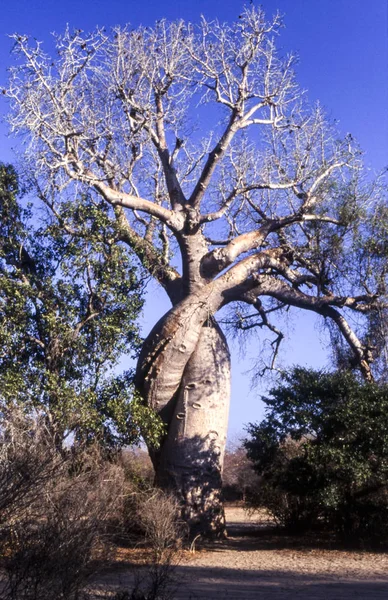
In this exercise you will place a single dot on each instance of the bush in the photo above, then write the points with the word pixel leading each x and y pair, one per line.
pixel 283 490
pixel 138 467
pixel 56 510
pixel 161 530
pixel 28 462
pixel 159 515
pixel 61 511
pixel 322 454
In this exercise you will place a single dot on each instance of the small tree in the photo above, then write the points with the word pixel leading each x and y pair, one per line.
pixel 322 453
pixel 263 208
pixel 67 313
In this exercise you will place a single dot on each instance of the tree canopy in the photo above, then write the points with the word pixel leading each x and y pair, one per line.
pixel 268 190
pixel 68 311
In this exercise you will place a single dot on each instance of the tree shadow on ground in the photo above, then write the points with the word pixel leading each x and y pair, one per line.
pixel 256 537
pixel 220 583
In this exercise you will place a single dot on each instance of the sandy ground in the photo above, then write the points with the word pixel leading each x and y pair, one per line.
pixel 256 564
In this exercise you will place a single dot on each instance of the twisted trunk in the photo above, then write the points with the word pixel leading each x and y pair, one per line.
pixel 190 459
pixel 184 373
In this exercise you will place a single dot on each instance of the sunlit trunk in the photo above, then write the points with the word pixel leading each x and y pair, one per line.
pixel 190 458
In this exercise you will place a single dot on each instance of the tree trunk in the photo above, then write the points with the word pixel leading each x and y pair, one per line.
pixel 189 460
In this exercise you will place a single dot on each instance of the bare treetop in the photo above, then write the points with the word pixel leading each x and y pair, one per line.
pixel 202 132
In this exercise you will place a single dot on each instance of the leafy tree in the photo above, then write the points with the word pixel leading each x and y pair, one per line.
pixel 253 193
pixel 68 310
pixel 322 452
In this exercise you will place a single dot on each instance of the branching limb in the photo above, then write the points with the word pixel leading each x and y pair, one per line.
pixel 155 264
pixel 271 286
pixel 116 198
pixel 221 258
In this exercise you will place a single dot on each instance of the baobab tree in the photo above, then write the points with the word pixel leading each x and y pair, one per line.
pixel 229 188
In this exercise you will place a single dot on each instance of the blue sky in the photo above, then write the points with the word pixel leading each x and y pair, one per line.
pixel 343 50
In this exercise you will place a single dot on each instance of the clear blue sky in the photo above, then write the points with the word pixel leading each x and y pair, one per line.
pixel 343 51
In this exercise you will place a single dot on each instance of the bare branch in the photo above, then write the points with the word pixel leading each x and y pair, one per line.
pixel 269 286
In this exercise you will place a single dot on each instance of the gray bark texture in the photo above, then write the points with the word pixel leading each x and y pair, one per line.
pixel 190 390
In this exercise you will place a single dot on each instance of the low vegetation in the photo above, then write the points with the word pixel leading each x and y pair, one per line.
pixel 61 515
pixel 322 455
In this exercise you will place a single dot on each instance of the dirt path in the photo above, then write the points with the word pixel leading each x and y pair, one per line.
pixel 252 564
pixel 256 566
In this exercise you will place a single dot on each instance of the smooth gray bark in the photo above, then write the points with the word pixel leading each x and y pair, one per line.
pixel 189 461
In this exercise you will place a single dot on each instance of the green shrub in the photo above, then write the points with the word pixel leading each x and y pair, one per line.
pixel 322 454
